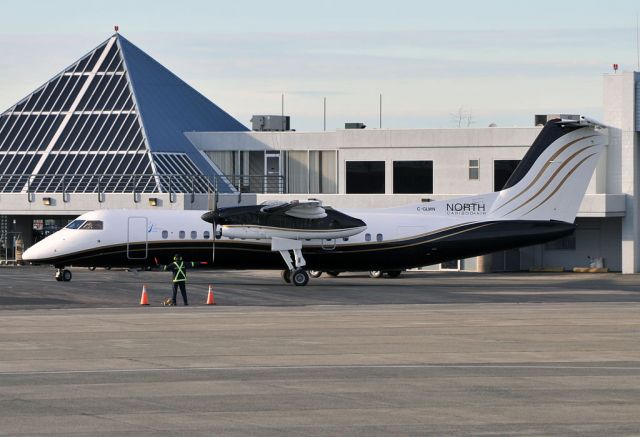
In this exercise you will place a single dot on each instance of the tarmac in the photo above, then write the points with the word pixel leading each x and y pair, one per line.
pixel 426 354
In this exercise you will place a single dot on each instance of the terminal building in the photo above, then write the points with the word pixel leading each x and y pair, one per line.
pixel 118 130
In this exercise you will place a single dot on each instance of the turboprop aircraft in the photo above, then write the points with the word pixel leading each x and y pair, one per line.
pixel 539 203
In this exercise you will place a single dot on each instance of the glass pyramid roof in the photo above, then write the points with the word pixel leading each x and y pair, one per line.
pixel 114 121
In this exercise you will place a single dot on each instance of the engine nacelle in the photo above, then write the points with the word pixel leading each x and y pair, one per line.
pixel 266 233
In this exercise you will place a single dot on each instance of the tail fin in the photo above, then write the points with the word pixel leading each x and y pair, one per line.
pixel 550 181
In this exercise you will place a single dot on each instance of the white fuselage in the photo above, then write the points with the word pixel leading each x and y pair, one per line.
pixel 122 227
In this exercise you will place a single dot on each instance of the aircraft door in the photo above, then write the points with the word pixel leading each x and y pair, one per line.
pixel 137 238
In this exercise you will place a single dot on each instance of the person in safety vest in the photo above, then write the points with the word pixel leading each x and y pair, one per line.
pixel 179 277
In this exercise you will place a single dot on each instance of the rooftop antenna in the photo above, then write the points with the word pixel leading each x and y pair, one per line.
pixel 380 111
pixel 637 42
pixel 325 114
pixel 116 28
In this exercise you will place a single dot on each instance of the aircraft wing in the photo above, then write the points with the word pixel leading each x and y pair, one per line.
pixel 306 209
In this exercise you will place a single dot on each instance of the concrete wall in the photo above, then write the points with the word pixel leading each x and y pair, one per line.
pixel 595 238
pixel 77 204
pixel 623 159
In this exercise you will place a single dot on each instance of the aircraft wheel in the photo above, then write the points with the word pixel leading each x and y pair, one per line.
pixel 375 274
pixel 92 268
pixel 58 278
pixel 315 273
pixel 333 274
pixel 66 275
pixel 394 273
pixel 300 278
pixel 286 276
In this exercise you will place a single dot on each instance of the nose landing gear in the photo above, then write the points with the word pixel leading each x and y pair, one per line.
pixel 63 274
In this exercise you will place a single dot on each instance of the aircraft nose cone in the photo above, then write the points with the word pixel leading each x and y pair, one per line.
pixel 29 254
pixel 35 253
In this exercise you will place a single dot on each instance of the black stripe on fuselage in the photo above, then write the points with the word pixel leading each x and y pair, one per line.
pixel 456 242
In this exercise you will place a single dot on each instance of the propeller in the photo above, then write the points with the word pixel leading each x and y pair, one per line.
pixel 213 222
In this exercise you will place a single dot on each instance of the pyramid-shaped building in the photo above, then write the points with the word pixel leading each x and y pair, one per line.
pixel 113 121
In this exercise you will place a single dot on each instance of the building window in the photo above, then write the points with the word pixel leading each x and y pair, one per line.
pixel 474 169
pixel 566 243
pixel 412 177
pixel 194 235
pixel 165 234
pixel 311 171
pixel 502 170
pixel 365 177
pixel 181 234
pixel 206 235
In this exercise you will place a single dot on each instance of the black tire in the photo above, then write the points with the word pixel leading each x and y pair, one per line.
pixel 66 275
pixel 334 274
pixel 394 273
pixel 92 268
pixel 286 276
pixel 315 273
pixel 300 278
pixel 375 274
pixel 58 278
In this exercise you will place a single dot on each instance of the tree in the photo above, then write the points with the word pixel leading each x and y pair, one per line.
pixel 462 117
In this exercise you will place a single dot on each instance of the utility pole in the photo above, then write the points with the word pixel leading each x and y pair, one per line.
pixel 380 110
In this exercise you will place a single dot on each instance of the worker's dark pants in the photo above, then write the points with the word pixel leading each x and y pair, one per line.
pixel 183 290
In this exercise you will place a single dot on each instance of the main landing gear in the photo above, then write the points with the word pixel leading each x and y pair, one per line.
pixel 376 274
pixel 297 277
pixel 296 274
pixel 63 274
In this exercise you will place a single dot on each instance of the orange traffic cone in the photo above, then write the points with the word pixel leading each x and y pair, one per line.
pixel 144 299
pixel 211 300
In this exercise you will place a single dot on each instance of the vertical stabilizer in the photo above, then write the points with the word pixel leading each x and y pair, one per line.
pixel 552 178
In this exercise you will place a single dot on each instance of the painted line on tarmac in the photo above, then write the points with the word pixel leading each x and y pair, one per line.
pixel 323 367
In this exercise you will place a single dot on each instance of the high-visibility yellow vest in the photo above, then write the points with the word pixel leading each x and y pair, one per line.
pixel 179 272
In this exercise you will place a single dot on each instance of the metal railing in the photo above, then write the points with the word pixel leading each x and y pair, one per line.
pixel 138 184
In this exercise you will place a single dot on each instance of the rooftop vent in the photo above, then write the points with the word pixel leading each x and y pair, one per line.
pixel 354 125
pixel 541 119
pixel 270 123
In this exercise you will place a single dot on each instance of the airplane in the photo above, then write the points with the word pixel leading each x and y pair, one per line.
pixel 538 203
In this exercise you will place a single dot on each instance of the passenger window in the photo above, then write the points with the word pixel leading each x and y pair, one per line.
pixel 379 237
pixel 367 237
pixel 194 235
pixel 206 235
pixel 181 234
pixel 165 234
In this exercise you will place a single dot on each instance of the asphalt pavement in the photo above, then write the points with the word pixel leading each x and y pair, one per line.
pixel 426 354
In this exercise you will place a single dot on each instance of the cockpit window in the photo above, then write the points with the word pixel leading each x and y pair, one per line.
pixel 74 224
pixel 92 225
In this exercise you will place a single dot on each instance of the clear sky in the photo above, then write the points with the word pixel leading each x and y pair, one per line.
pixel 502 61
